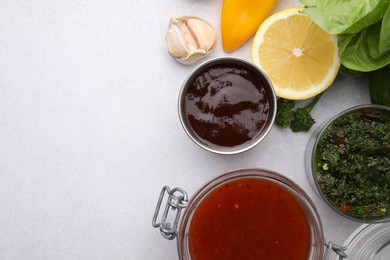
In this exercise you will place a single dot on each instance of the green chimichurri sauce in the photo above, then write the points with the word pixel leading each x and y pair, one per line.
pixel 353 164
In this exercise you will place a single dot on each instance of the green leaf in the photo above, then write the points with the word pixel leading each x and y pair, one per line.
pixel 355 52
pixel 378 38
pixel 384 42
pixel 371 17
pixel 373 36
pixel 284 112
pixel 303 120
pixel 379 82
pixel 342 16
pixel 348 72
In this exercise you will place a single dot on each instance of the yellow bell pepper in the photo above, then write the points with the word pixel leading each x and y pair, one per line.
pixel 240 20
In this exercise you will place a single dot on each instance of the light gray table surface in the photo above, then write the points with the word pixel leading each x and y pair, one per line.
pixel 89 130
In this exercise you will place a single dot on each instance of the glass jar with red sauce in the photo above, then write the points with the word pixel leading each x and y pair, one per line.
pixel 244 214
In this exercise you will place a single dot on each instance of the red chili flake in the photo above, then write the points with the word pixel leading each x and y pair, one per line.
pixel 345 208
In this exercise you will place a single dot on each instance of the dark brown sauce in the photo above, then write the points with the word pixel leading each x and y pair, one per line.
pixel 226 106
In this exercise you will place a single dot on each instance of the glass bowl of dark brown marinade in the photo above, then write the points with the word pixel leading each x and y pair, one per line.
pixel 348 163
pixel 227 105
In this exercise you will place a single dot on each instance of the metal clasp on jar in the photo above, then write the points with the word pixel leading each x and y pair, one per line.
pixel 340 250
pixel 177 200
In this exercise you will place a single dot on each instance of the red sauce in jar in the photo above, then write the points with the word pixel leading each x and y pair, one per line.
pixel 226 106
pixel 249 218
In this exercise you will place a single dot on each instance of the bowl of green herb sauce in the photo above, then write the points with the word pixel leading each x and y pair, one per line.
pixel 348 162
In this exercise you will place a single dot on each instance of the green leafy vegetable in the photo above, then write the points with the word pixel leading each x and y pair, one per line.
pixel 361 51
pixel 302 121
pixel 384 41
pixel 299 119
pixel 363 28
pixel 344 16
pixel 284 112
pixel 379 82
pixel 348 72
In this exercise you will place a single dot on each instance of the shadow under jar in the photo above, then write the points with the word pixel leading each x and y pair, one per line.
pixel 227 105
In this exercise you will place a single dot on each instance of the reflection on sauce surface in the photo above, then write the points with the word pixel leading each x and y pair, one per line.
pixel 247 219
pixel 226 106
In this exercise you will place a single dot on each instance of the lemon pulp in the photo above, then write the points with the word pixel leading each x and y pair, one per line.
pixel 299 57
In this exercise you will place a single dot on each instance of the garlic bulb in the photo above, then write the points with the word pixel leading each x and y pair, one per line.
pixel 189 38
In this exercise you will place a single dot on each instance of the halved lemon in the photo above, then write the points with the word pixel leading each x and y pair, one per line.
pixel 299 57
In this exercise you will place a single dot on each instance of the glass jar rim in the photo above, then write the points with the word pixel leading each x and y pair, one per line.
pixel 316 230
pixel 368 241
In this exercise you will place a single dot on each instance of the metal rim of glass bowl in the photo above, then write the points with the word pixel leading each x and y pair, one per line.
pixel 310 158
pixel 240 148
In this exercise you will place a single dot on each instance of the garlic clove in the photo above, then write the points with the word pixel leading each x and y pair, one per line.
pixel 192 57
pixel 179 38
pixel 189 38
pixel 206 36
